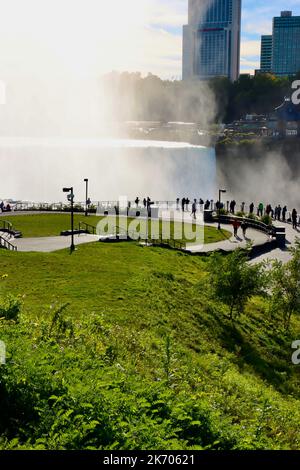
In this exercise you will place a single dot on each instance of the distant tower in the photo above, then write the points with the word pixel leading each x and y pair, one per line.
pixel 286 44
pixel 211 40
pixel 266 53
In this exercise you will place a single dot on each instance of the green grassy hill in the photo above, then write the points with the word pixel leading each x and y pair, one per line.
pixel 51 225
pixel 122 347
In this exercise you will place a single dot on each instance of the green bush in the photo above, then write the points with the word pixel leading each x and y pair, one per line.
pixel 267 220
pixel 10 308
pixel 234 281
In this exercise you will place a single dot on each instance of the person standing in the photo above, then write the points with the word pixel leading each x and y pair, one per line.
pixel 183 204
pixel 294 219
pixel 251 208
pixel 260 211
pixel 279 209
pixel 232 206
pixel 284 211
pixel 187 203
pixel 194 209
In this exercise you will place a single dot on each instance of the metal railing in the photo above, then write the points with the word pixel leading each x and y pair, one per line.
pixel 7 245
pixel 6 226
pixel 251 223
pixel 88 228
pixel 132 235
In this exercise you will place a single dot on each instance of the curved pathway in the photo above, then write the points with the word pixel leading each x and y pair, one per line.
pixel 281 254
pixel 48 244
pixel 257 238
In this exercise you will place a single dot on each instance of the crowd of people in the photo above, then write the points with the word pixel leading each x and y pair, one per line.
pixel 279 212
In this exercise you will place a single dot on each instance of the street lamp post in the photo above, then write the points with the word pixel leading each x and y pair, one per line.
pixel 86 195
pixel 71 199
pixel 219 208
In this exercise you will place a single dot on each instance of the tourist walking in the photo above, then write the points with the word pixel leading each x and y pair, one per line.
pixel 244 228
pixel 294 218
pixel 236 226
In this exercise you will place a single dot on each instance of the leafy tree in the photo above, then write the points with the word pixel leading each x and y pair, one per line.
pixel 285 296
pixel 234 281
pixel 137 98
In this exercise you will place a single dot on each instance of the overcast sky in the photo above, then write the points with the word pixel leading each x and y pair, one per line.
pixel 89 37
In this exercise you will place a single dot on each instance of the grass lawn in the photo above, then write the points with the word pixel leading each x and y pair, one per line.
pixel 46 225
pixel 141 358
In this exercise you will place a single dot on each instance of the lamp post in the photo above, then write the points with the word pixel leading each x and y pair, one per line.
pixel 71 199
pixel 219 208
pixel 86 196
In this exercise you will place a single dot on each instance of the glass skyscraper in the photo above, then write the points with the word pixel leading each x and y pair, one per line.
pixel 211 40
pixel 286 44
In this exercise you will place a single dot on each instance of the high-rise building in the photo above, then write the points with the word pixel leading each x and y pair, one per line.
pixel 286 44
pixel 211 40
pixel 266 53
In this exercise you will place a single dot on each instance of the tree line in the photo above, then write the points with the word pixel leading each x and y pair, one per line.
pixel 137 98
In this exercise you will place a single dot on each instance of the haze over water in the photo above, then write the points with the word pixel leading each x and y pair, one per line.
pixel 36 169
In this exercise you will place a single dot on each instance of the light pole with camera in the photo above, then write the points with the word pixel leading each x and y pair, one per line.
pixel 87 201
pixel 221 191
pixel 71 199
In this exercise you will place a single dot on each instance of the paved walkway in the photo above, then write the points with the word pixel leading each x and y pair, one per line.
pixel 281 254
pixel 253 236
pixel 48 244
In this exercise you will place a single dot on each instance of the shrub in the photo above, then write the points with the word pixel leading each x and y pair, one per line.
pixel 10 308
pixel 267 220
pixel 285 297
pixel 235 281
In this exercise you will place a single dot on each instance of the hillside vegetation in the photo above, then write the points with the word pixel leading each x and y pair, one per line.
pixel 124 347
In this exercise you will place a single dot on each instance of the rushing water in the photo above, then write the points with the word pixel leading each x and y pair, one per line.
pixel 38 169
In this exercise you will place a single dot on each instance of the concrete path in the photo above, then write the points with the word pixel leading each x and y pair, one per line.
pixel 48 244
pixel 253 236
pixel 281 254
